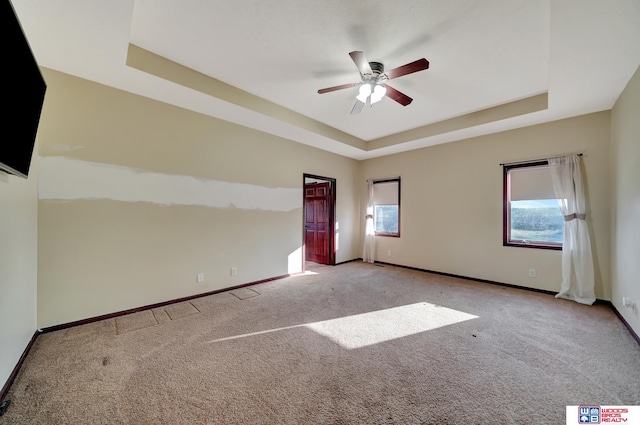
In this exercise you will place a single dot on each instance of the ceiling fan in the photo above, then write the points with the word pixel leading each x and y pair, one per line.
pixel 372 85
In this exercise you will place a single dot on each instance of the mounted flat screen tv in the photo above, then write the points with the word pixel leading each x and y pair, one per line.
pixel 24 95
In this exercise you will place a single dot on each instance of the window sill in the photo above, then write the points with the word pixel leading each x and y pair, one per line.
pixel 390 235
pixel 538 245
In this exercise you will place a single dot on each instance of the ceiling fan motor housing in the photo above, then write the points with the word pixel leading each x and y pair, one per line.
pixel 376 67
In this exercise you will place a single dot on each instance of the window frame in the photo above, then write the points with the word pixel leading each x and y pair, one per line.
pixel 387 234
pixel 506 210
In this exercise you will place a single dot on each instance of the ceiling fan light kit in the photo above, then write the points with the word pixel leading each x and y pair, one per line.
pixel 372 86
pixel 364 92
pixel 378 93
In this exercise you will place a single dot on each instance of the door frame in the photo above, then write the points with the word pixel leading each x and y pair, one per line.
pixel 331 237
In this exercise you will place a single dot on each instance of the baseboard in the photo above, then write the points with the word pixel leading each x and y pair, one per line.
pixel 14 373
pixel 633 333
pixel 348 261
pixel 475 279
pixel 156 305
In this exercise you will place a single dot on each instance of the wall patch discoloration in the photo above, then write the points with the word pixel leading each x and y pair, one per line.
pixel 66 179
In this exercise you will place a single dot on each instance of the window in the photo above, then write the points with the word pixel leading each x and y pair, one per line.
pixel 386 207
pixel 532 216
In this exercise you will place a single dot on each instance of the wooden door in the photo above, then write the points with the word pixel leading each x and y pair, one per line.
pixel 316 222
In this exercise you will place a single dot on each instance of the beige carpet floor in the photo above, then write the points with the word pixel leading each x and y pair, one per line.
pixel 351 344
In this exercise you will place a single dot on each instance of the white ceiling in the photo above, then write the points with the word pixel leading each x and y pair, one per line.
pixel 482 54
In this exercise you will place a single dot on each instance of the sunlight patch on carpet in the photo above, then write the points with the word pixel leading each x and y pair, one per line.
pixel 362 330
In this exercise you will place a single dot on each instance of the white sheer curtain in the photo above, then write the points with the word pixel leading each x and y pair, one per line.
pixel 577 259
pixel 369 250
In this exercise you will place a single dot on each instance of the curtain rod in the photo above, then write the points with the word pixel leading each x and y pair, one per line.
pixel 535 160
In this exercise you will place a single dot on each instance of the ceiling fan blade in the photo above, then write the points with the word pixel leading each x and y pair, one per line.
pixel 399 97
pixel 357 108
pixel 362 63
pixel 334 88
pixel 410 68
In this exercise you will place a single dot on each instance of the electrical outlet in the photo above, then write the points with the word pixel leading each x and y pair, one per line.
pixel 200 277
pixel 532 273
pixel 628 302
pixel 234 271
pixel 389 253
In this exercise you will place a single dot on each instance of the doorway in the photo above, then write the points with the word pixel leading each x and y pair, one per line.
pixel 318 218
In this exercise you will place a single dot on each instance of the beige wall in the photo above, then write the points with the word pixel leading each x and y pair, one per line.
pixel 625 172
pixel 451 208
pixel 137 197
pixel 18 266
